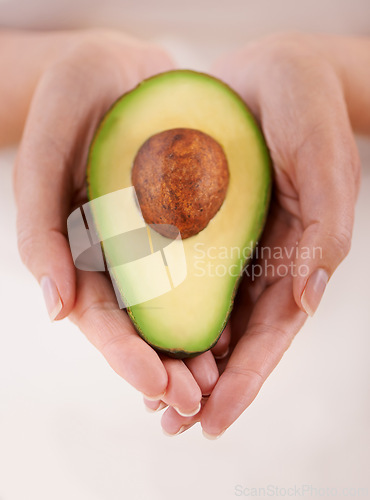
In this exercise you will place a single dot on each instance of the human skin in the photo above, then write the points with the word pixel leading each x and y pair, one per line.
pixel 307 99
pixel 309 93
pixel 73 79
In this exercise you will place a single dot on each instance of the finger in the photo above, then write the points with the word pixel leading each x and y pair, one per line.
pixel 173 424
pixel 44 184
pixel 273 324
pixel 183 392
pixel 237 324
pixel 221 349
pixel 204 370
pixel 110 330
pixel 154 406
pixel 327 176
pixel 43 193
pixel 205 373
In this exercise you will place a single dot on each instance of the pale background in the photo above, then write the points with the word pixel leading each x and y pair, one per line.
pixel 70 428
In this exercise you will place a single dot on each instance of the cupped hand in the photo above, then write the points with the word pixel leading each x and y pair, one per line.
pixel 297 96
pixel 74 91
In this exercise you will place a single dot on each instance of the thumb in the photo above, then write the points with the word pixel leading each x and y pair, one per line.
pixel 43 191
pixel 328 177
pixel 41 229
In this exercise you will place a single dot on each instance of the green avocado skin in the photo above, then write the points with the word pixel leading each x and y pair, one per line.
pixel 259 219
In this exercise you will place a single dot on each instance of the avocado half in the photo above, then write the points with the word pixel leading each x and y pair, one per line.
pixel 188 319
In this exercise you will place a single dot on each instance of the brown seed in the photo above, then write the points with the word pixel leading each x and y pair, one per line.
pixel 181 178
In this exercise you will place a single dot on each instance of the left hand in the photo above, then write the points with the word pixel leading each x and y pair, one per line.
pixel 297 96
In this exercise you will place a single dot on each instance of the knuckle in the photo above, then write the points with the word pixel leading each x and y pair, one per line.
pixel 268 329
pixel 106 346
pixel 250 374
pixel 81 66
pixel 78 60
pixel 100 312
pixel 27 243
pixel 291 51
pixel 273 339
pixel 252 381
pixel 63 75
pixel 89 46
pixel 341 241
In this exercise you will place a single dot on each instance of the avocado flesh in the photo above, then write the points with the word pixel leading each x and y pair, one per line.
pixel 190 318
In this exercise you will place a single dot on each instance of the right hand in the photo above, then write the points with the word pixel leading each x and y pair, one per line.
pixel 71 97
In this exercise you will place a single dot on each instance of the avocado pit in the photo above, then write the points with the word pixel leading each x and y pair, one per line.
pixel 181 178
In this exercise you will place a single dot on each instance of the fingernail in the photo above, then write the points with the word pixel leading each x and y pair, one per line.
pixel 52 298
pixel 223 355
pixel 314 290
pixel 154 410
pixel 212 436
pixel 154 398
pixel 191 414
pixel 176 433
